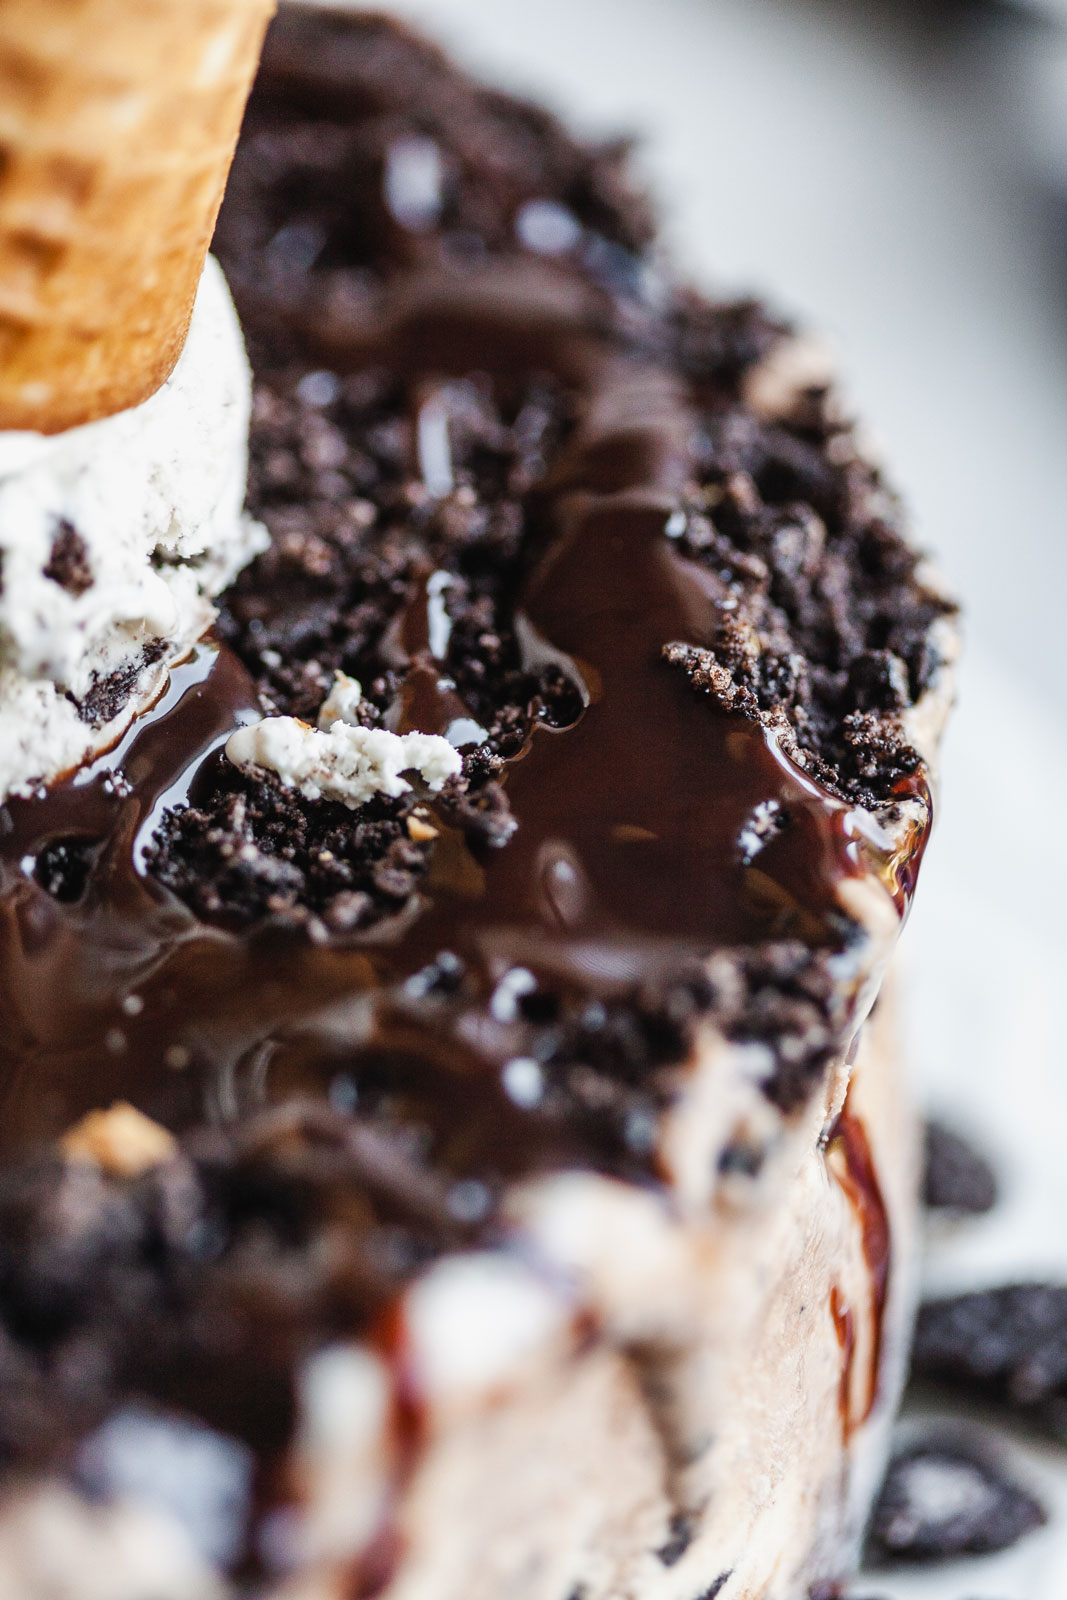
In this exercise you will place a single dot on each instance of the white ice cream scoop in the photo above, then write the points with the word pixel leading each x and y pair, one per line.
pixel 115 539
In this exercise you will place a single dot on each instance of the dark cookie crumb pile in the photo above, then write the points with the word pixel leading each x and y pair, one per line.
pixel 783 996
pixel 256 849
pixel 956 1177
pixel 339 476
pixel 202 1283
pixel 949 1498
pixel 367 571
pixel 830 638
pixel 1007 1345
pixel 592 1088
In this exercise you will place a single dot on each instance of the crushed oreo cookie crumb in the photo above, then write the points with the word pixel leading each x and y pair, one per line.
pixel 785 509
pixel 68 563
pixel 106 696
pixel 1007 1345
pixel 359 545
pixel 784 997
pixel 945 1499
pixel 830 637
pixel 956 1176
pixel 411 165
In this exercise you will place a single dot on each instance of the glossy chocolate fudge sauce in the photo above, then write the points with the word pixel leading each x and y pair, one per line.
pixel 514 487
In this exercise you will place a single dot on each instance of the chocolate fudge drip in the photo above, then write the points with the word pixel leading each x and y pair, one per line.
pixel 507 980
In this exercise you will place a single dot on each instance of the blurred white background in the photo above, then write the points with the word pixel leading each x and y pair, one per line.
pixel 896 176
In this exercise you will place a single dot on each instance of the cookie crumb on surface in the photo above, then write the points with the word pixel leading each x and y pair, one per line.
pixel 122 1141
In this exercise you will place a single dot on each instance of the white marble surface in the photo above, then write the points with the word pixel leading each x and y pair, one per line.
pixel 868 178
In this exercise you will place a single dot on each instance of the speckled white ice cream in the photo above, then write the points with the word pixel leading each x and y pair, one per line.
pixel 154 496
pixel 341 759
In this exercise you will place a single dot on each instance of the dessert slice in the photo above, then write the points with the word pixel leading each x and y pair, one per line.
pixel 444 1118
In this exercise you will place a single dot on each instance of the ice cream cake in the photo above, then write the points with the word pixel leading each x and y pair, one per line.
pixel 452 1140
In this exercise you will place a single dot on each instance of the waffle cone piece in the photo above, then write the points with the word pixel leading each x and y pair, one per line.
pixel 118 120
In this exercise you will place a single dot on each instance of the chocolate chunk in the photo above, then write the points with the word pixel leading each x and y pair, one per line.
pixel 956 1177
pixel 355 543
pixel 943 1499
pixel 1007 1345
pixel 253 848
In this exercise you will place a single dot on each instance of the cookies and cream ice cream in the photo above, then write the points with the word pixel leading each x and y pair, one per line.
pixel 124 389
pixel 115 539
